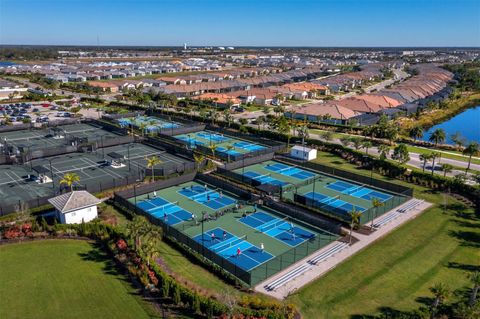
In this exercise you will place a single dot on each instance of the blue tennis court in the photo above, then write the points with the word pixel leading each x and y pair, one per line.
pixel 227 151
pixel 208 197
pixel 333 204
pixel 248 146
pixel 290 171
pixel 358 191
pixel 281 229
pixel 264 179
pixel 160 208
pixel 212 137
pixel 226 246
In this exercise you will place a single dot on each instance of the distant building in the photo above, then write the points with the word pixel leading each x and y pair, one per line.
pixel 75 207
pixel 303 153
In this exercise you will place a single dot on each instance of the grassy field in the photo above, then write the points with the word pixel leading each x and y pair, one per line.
pixel 396 272
pixel 65 279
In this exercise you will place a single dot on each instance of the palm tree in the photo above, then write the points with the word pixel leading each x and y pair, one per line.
pixel 366 144
pixel 458 140
pixel 375 204
pixel 446 168
pixel 260 121
pixel 437 136
pixel 345 140
pixel 441 293
pixel 151 163
pixel 150 249
pixel 229 148
pixel 475 279
pixel 69 179
pixel 384 151
pixel 356 142
pixel 434 156
pixel 354 220
pixel 425 158
pixel 471 150
pixel 213 148
pixel 327 136
pixel 227 116
pixel 136 229
pixel 198 158
pixel 416 132
pixel 142 128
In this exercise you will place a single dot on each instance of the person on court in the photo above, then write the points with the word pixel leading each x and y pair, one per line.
pixel 165 217
pixel 220 193
pixel 213 237
pixel 154 194
pixel 239 252
pixel 224 235
pixel 206 187
pixel 262 248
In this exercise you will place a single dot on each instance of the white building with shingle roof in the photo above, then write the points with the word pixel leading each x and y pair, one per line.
pixel 75 207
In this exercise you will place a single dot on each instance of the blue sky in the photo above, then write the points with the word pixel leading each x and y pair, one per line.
pixel 242 22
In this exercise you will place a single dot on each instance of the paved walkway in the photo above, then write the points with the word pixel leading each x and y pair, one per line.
pixel 323 267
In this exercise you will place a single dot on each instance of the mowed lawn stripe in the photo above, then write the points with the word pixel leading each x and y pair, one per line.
pixel 64 279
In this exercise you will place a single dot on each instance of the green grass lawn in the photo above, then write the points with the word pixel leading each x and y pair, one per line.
pixel 65 279
pixel 397 271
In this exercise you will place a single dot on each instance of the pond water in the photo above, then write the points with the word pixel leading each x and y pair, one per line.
pixel 466 123
pixel 6 63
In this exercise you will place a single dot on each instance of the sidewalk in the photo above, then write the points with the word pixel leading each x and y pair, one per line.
pixel 322 268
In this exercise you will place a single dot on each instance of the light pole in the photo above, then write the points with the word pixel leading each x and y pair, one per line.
pixel 51 171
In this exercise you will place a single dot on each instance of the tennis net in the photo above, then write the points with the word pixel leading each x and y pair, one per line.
pixel 229 243
pixel 329 200
pixel 260 177
pixel 354 189
pixel 204 194
pixel 163 207
pixel 74 169
pixel 274 223
pixel 281 170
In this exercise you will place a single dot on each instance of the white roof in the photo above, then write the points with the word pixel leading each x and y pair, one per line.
pixel 302 148
pixel 72 201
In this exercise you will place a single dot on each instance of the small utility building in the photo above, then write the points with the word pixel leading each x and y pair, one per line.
pixel 303 153
pixel 75 207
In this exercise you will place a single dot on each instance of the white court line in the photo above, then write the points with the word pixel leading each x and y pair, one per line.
pixel 104 171
pixel 34 189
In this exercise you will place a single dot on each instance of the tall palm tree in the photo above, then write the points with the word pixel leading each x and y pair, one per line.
pixel 437 136
pixel 471 150
pixel 198 158
pixel 229 148
pixel 366 144
pixel 475 279
pixel 441 292
pixel 69 179
pixel 375 204
pixel 434 156
pixel 142 127
pixel 424 158
pixel 384 151
pixel 354 220
pixel 416 132
pixel 151 163
pixel 213 148
pixel 227 116
pixel 446 168
pixel 136 229
pixel 458 140
pixel 150 249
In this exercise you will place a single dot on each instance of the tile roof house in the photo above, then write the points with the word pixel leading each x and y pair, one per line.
pixel 323 112
pixel 75 207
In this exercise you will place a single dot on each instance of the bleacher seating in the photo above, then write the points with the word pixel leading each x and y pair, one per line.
pixel 300 270
pixel 401 210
